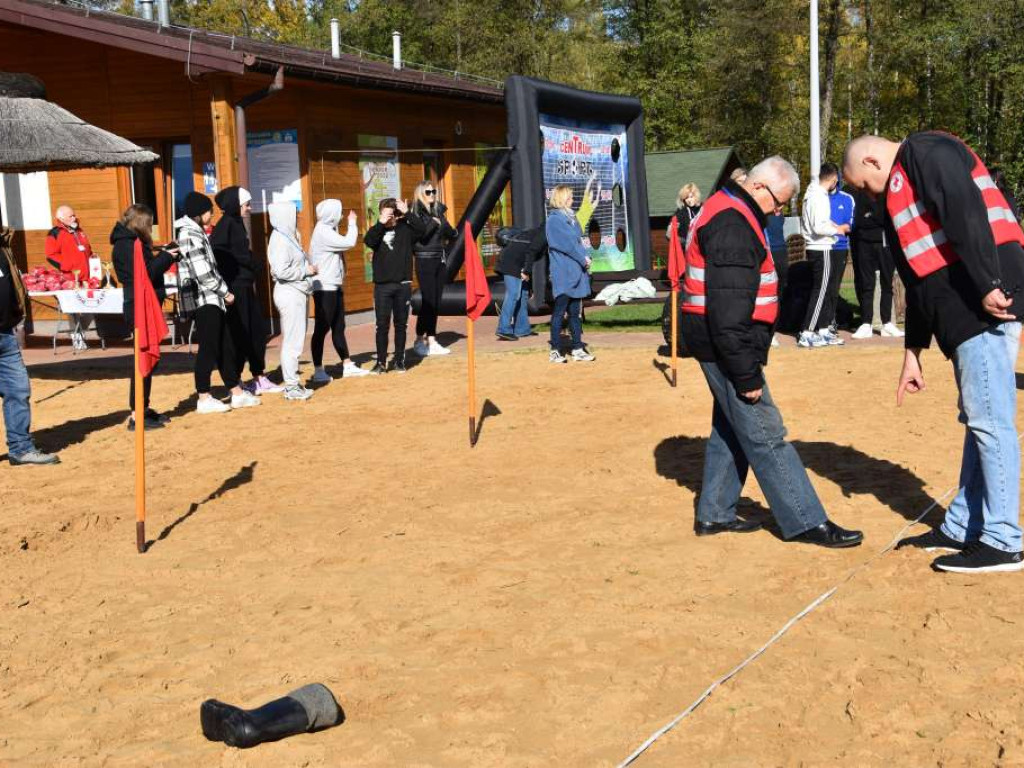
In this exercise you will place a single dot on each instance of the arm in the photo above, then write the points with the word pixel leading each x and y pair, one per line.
pixel 538 243
pixel 585 212
pixel 285 265
pixel 565 238
pixel 422 226
pixel 373 238
pixel 202 265
pixel 53 248
pixel 158 265
pixel 818 216
pixel 335 241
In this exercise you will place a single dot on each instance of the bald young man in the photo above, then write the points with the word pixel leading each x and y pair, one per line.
pixel 958 249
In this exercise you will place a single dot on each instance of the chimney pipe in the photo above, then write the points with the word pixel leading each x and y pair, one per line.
pixel 396 57
pixel 335 40
pixel 163 9
pixel 147 9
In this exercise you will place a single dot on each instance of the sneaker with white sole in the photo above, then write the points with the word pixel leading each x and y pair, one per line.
pixel 863 332
pixel 211 405
pixel 245 400
pixel 775 339
pixel 934 540
pixel 978 557
pixel 831 338
pixel 350 370
pixel 421 348
pixel 810 340
pixel 436 349
pixel 320 376
pixel 582 356
pixel 265 386
pixel 297 392
pixel 557 357
pixel 890 331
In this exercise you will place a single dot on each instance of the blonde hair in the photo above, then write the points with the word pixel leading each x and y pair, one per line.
pixel 685 192
pixel 139 219
pixel 561 198
pixel 423 205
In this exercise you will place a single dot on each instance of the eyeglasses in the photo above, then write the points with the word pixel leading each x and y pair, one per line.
pixel 429 191
pixel 778 205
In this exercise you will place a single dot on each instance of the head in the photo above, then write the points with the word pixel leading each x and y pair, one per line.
pixel 245 199
pixel 283 218
pixel 828 177
pixel 426 194
pixel 561 198
pixel 387 209
pixel 739 175
pixel 328 212
pixel 139 219
pixel 234 201
pixel 199 208
pixel 689 195
pixel 867 163
pixel 65 214
pixel 772 183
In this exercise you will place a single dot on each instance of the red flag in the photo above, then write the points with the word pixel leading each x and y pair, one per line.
pixel 478 292
pixel 150 326
pixel 676 259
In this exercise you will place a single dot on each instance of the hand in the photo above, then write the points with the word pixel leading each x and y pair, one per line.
pixel 229 299
pixel 312 269
pixel 912 377
pixel 402 206
pixel 844 229
pixel 996 303
pixel 352 217
pixel 753 395
pixel 589 262
pixel 385 218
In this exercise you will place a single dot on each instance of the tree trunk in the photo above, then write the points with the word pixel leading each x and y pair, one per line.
pixel 831 52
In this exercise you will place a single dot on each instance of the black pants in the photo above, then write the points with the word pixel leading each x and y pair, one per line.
pixel 328 315
pixel 216 349
pixel 430 273
pixel 827 275
pixel 391 300
pixel 837 269
pixel 867 258
pixel 248 331
pixel 147 381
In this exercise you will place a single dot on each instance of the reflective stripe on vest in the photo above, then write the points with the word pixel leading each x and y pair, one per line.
pixel 766 305
pixel 921 236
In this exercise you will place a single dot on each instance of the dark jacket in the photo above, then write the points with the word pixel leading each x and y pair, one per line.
pixel 868 219
pixel 392 256
pixel 13 299
pixel 522 251
pixel 432 238
pixel 728 334
pixel 947 304
pixel 230 242
pixel 123 240
pixel 684 216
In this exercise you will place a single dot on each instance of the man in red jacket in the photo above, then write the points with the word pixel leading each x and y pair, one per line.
pixel 958 248
pixel 68 249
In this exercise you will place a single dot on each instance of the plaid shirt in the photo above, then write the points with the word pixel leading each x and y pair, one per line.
pixel 199 282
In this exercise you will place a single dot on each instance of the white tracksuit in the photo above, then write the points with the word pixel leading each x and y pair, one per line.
pixel 292 286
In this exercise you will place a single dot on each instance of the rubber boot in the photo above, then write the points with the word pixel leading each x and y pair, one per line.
pixel 309 708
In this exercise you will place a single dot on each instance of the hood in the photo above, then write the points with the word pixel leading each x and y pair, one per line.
pixel 283 217
pixel 328 213
pixel 229 201
pixel 121 232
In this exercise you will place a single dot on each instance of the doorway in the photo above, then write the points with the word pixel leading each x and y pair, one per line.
pixel 163 185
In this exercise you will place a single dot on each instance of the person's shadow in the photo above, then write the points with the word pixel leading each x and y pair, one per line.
pixel 681 459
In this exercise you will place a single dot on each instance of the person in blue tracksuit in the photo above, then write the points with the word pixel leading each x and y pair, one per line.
pixel 842 205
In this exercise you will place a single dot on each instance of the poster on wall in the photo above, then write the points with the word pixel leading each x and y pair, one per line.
pixel 274 172
pixel 593 155
pixel 379 173
pixel 500 217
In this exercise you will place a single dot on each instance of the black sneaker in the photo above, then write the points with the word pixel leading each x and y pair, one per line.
pixel 505 337
pixel 147 422
pixel 977 557
pixel 934 540
pixel 153 415
pixel 398 366
pixel 378 369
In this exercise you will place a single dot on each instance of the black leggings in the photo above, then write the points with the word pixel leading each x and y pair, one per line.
pixel 215 349
pixel 391 300
pixel 328 315
pixel 248 331
pixel 430 273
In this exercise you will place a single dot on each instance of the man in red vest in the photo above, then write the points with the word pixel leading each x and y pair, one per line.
pixel 958 249
pixel 67 246
pixel 730 305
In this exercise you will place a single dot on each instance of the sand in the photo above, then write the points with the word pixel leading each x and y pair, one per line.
pixel 538 600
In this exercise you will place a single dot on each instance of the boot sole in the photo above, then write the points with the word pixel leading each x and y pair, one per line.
pixel 212 714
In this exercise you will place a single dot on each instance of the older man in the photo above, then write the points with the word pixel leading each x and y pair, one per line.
pixel 730 305
pixel 68 249
pixel 958 248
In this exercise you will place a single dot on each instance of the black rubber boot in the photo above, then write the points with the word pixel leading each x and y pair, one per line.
pixel 309 708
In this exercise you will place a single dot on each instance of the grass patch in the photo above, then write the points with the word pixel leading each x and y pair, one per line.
pixel 618 319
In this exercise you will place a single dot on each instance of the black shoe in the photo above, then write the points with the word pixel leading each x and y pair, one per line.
pixel 733 526
pixel 147 422
pixel 934 540
pixel 977 557
pixel 830 535
pixel 398 366
pixel 378 369
pixel 528 335
pixel 163 418
pixel 505 337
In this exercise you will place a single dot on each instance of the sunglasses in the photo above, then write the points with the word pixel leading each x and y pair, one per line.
pixel 429 191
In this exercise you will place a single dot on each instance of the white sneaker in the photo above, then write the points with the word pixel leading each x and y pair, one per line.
pixel 831 338
pixel 266 386
pixel 436 349
pixel 351 369
pixel 297 392
pixel 864 332
pixel 810 340
pixel 245 400
pixel 582 356
pixel 557 357
pixel 320 376
pixel 421 348
pixel 211 405
pixel 890 331
pixel 775 340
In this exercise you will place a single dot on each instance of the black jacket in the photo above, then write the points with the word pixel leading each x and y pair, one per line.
pixel 432 238
pixel 728 334
pixel 235 260
pixel 868 219
pixel 123 240
pixel 684 215
pixel 12 291
pixel 947 304
pixel 522 251
pixel 392 257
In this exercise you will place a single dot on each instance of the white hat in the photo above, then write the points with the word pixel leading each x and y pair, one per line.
pixel 244 196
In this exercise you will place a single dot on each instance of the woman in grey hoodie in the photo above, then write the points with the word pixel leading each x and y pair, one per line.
pixel 325 252
pixel 292 286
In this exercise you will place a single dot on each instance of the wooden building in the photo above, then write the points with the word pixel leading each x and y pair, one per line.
pixel 355 123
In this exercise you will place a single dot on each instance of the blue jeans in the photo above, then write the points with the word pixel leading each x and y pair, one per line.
pixel 751 436
pixel 988 505
pixel 513 308
pixel 16 391
pixel 575 306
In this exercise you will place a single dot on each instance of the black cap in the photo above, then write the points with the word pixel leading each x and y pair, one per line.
pixel 197 204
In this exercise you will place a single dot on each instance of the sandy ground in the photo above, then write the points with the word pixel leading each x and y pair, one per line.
pixel 538 600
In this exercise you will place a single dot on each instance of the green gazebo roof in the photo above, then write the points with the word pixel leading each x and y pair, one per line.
pixel 668 171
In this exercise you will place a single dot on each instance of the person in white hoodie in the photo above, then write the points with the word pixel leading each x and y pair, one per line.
pixel 292 285
pixel 819 233
pixel 325 252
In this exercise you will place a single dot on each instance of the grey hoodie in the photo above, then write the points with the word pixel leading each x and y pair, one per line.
pixel 327 245
pixel 287 260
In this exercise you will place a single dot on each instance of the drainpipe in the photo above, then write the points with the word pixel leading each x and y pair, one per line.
pixel 240 132
pixel 335 40
pixel 147 9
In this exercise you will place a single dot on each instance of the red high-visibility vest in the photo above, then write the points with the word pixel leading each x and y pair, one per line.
pixel 766 305
pixel 921 235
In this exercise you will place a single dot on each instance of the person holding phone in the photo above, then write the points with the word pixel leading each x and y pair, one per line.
pixel 391 240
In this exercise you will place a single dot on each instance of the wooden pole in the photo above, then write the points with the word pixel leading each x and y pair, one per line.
pixel 140 454
pixel 471 352
pixel 675 334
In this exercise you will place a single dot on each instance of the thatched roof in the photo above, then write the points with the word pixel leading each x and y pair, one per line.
pixel 37 135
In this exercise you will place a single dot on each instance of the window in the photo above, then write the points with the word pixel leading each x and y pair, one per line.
pixel 182 180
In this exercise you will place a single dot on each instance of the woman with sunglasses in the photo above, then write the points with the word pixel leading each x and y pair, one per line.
pixel 427 215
